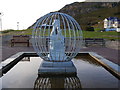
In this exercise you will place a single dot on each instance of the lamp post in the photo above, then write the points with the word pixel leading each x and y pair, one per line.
pixel 17 25
pixel 1 14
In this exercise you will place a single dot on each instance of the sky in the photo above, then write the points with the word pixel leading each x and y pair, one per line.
pixel 26 12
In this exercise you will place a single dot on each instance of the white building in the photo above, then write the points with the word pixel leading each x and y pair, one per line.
pixel 111 23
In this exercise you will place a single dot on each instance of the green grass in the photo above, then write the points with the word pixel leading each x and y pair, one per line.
pixel 17 32
pixel 86 34
pixel 105 35
pixel 6 31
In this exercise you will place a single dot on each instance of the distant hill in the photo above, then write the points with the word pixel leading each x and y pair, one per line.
pixel 90 13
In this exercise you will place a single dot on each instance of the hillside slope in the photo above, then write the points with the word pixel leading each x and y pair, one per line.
pixel 90 13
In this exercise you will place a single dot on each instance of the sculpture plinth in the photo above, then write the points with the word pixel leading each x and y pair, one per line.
pixel 57 68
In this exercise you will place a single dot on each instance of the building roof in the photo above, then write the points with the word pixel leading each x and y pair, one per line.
pixel 105 19
pixel 113 19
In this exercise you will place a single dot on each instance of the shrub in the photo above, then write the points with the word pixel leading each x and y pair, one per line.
pixel 89 28
pixel 7 31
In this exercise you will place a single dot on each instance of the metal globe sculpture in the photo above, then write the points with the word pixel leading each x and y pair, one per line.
pixel 57 37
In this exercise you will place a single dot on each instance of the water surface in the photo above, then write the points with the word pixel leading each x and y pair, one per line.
pixel 89 75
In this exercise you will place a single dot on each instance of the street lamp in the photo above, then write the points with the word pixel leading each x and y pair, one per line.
pixel 1 14
pixel 17 25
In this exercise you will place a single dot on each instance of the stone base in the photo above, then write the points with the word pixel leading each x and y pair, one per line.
pixel 57 68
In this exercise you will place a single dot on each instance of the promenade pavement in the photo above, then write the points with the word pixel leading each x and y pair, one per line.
pixel 108 53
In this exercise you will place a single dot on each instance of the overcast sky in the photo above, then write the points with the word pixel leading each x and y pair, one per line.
pixel 26 12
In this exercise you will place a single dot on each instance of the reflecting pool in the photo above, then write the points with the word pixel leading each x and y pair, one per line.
pixel 90 74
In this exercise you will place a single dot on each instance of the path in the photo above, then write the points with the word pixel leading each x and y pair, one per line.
pixel 108 53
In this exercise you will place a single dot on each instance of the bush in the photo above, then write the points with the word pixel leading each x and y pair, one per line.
pixel 7 31
pixel 89 28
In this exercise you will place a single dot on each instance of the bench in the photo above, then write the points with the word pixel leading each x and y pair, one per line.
pixel 20 39
pixel 92 41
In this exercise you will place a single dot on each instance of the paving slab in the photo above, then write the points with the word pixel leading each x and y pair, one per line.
pixel 108 53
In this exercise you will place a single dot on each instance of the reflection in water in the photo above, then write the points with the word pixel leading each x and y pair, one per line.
pixel 57 82
pixel 88 59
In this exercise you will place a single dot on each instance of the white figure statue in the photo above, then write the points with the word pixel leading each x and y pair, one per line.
pixel 57 47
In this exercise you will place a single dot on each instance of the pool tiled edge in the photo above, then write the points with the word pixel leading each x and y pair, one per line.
pixel 110 66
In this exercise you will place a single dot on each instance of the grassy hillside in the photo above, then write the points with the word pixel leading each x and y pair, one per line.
pixel 90 13
pixel 96 18
pixel 86 34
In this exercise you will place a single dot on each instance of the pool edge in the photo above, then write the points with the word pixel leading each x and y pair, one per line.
pixel 94 55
